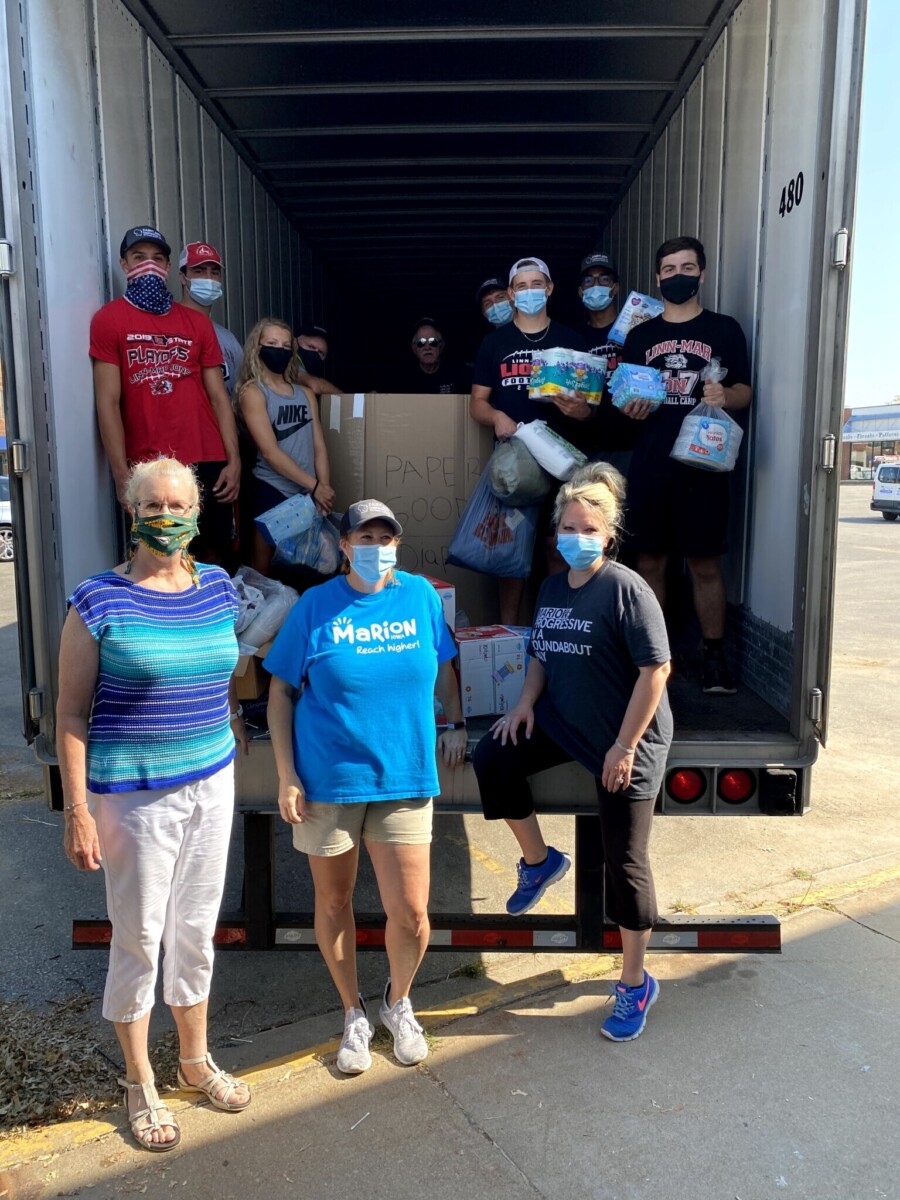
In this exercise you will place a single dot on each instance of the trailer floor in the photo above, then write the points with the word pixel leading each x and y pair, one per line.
pixel 743 716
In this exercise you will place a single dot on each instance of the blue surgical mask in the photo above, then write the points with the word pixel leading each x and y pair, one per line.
pixel 500 313
pixel 597 298
pixel 531 301
pixel 372 563
pixel 580 550
pixel 205 291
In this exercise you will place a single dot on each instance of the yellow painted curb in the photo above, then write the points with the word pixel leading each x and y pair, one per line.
pixel 840 891
pixel 76 1132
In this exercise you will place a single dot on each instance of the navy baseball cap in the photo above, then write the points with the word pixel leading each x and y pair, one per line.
pixel 144 233
pixel 313 331
pixel 368 510
pixel 494 284
pixel 599 260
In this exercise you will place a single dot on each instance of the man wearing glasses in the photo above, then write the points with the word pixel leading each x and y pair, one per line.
pixel 430 373
pixel 612 435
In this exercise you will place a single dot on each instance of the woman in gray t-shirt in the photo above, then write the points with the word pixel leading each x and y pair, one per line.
pixel 283 419
pixel 595 692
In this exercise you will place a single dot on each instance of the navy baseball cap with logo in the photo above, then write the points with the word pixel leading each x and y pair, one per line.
pixel 144 233
pixel 368 510
pixel 599 260
pixel 494 284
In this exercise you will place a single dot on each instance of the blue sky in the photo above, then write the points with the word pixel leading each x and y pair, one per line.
pixel 873 365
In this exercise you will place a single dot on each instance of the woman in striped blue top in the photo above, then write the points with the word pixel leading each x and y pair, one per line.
pixel 147 723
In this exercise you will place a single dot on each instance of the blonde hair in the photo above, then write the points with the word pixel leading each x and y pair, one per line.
pixel 599 487
pixel 156 468
pixel 251 367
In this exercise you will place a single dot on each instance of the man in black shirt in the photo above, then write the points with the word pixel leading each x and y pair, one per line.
pixel 612 434
pixel 430 374
pixel 502 371
pixel 494 303
pixel 674 508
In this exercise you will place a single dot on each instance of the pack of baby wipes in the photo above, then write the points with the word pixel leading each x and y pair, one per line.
pixel 631 382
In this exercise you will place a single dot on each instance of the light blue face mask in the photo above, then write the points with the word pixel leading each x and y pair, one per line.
pixel 205 291
pixel 372 563
pixel 531 301
pixel 580 550
pixel 597 298
pixel 500 313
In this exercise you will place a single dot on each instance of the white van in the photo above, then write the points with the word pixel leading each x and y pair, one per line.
pixel 886 491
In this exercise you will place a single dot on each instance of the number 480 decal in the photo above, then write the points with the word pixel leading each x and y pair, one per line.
pixel 791 195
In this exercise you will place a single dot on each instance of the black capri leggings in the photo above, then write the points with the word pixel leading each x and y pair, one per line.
pixel 502 773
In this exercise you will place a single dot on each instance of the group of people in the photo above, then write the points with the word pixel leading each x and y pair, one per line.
pixel 148 722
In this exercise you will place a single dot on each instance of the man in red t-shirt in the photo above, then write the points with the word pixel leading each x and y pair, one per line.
pixel 159 388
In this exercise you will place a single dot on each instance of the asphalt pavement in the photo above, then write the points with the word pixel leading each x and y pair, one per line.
pixel 758 1076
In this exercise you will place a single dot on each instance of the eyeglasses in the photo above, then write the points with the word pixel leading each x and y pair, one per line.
pixel 155 508
pixel 593 280
pixel 429 341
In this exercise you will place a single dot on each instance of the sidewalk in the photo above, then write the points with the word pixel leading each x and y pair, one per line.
pixel 757 1077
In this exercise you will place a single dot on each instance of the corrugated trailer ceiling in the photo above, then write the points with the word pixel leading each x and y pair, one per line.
pixel 408 141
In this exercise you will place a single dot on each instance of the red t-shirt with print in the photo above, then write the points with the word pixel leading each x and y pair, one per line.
pixel 165 408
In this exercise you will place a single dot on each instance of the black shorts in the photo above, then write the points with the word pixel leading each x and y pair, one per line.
pixel 674 509
pixel 264 497
pixel 215 542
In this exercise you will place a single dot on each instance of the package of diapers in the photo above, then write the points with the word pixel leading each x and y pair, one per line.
pixel 637 309
pixel 560 372
pixel 630 382
pixel 557 456
pixel 708 439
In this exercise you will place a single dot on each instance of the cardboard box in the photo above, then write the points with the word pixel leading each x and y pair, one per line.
pixel 251 677
pixel 492 663
pixel 447 593
pixel 421 455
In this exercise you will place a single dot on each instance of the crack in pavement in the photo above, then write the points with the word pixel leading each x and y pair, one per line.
pixel 856 921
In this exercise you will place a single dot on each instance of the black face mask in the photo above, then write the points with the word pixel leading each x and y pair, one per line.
pixel 311 363
pixel 678 289
pixel 275 358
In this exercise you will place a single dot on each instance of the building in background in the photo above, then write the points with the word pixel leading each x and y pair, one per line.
pixel 869 436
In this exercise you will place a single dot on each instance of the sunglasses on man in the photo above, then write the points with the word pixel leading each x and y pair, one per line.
pixel 429 341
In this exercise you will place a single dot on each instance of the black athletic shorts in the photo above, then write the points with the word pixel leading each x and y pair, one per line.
pixel 674 509
pixel 215 542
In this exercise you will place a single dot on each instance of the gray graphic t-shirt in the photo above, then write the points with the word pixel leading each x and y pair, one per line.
pixel 292 424
pixel 591 641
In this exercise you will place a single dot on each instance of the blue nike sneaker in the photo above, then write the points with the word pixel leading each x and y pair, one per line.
pixel 534 881
pixel 630 1014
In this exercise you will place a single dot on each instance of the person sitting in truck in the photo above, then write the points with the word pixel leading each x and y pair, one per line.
pixel 674 508
pixel 354 672
pixel 612 434
pixel 310 353
pixel 500 384
pixel 430 373
pixel 201 287
pixel 147 725
pixel 282 418
pixel 595 692
pixel 159 389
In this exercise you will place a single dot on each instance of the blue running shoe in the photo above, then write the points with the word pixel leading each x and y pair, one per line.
pixel 534 881
pixel 630 1014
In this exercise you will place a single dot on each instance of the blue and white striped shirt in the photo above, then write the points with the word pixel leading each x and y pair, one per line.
pixel 160 716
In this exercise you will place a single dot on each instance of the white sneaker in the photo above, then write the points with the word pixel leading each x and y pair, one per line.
pixel 410 1046
pixel 354 1057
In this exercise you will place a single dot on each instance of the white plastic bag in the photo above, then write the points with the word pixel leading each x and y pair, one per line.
pixel 708 439
pixel 250 603
pixel 552 451
pixel 278 600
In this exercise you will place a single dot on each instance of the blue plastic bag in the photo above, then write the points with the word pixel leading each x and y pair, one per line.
pixel 286 520
pixel 316 548
pixel 492 537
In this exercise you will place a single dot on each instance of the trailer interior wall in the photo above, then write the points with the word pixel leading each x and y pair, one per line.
pixel 756 122
pixel 116 138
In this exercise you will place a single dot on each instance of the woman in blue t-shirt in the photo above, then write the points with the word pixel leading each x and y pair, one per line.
pixel 146 724
pixel 351 712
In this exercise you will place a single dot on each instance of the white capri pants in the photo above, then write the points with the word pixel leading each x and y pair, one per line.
pixel 164 857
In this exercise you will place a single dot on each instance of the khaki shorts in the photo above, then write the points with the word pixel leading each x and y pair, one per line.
pixel 332 829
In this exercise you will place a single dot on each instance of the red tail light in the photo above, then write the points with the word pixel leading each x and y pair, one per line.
pixel 736 786
pixel 686 785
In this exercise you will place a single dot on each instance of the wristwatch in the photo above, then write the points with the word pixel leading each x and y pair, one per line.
pixel 238 712
pixel 455 725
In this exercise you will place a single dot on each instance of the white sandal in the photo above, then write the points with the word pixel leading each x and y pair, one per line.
pixel 210 1086
pixel 148 1120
